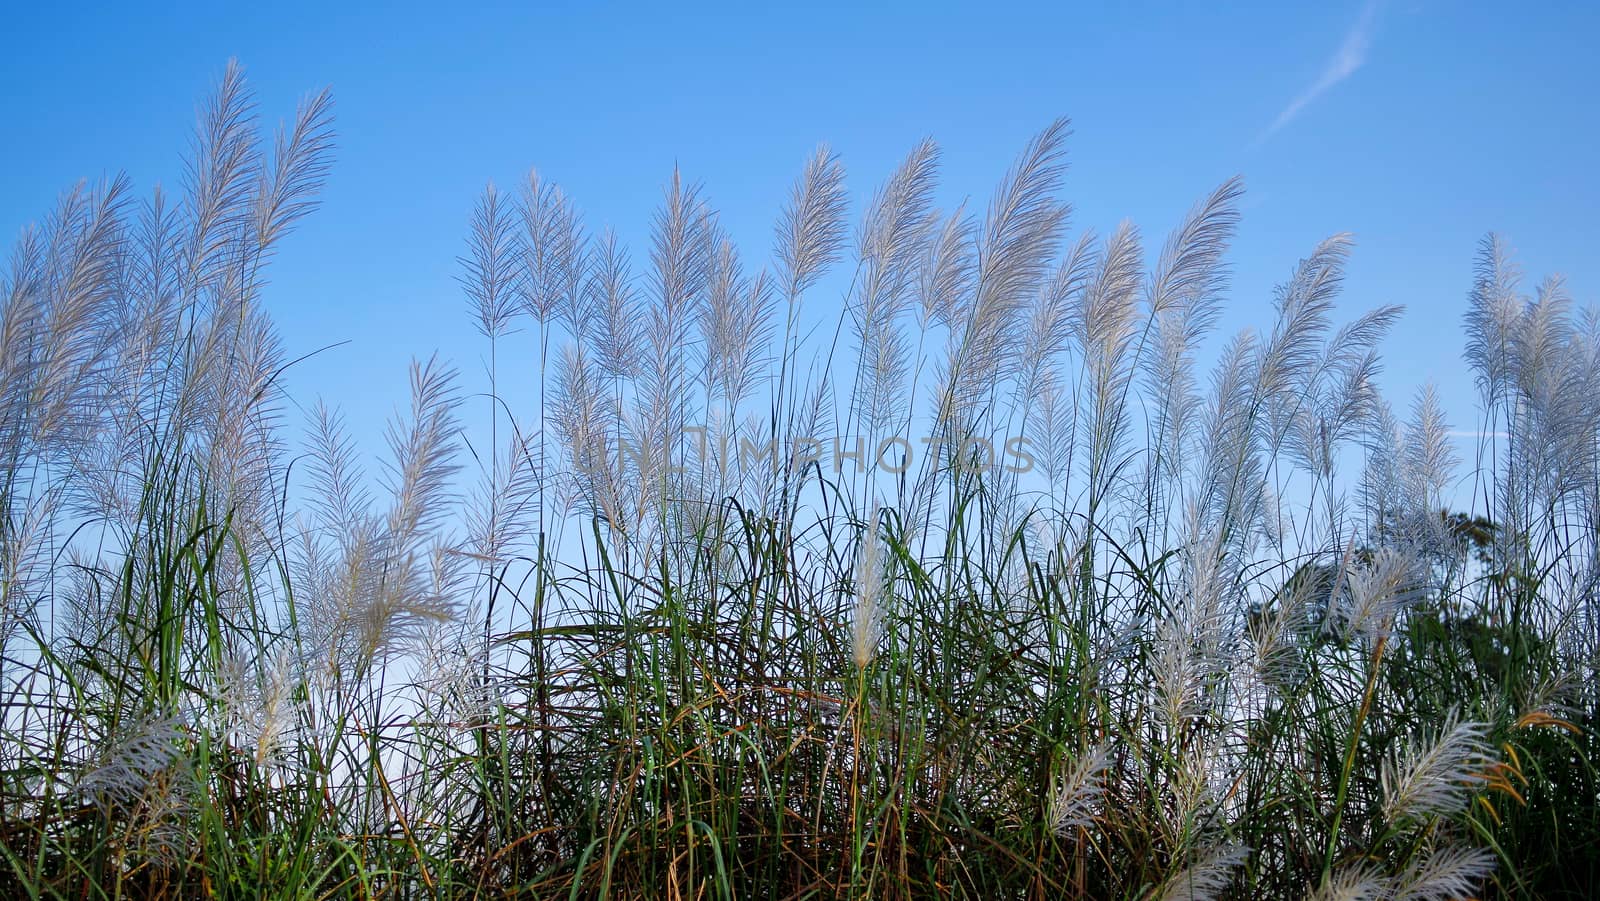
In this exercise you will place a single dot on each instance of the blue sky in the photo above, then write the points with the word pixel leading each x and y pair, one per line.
pixel 1418 126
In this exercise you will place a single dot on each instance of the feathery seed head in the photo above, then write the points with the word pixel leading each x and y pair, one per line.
pixel 133 760
pixel 1376 592
pixel 867 618
pixel 1208 876
pixel 1434 776
pixel 1445 874
pixel 1353 883
pixel 1078 790
pixel 811 229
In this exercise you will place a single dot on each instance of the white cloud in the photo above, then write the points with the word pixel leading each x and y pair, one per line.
pixel 1350 56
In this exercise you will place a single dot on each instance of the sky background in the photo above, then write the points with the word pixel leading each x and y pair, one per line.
pixel 1418 126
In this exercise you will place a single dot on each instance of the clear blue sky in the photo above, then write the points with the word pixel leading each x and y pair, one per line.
pixel 1416 125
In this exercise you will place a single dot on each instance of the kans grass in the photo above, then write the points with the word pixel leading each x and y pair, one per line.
pixel 707 617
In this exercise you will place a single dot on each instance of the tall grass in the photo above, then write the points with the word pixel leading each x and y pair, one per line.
pixel 921 561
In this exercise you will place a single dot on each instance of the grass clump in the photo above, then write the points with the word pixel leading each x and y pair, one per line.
pixel 975 587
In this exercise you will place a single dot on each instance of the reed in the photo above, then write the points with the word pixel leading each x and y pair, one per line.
pixel 709 618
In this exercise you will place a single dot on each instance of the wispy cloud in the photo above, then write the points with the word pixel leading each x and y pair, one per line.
pixel 1350 56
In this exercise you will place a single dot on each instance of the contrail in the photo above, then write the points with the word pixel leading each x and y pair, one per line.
pixel 1350 56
